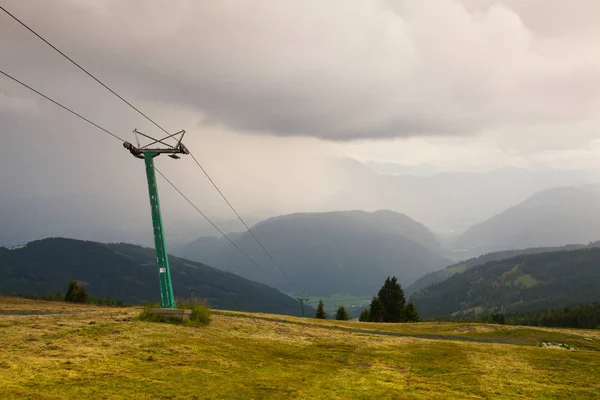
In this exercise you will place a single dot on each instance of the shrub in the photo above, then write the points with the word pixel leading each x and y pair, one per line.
pixel 53 297
pixel 145 315
pixel 200 312
pixel 76 293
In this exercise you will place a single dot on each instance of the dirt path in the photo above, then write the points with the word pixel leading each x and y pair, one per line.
pixel 431 336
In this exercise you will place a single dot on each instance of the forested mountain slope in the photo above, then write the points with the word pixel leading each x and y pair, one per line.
pixel 518 284
pixel 129 273
pixel 443 274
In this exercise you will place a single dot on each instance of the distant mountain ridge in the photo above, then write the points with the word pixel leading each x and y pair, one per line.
pixel 452 201
pixel 349 252
pixel 129 273
pixel 520 284
pixel 448 203
pixel 552 217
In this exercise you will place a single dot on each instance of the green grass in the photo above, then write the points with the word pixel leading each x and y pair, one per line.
pixel 457 269
pixel 200 314
pixel 526 280
pixel 100 352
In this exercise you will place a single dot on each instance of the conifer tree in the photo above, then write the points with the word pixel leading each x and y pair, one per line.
pixel 76 293
pixel 392 297
pixel 82 296
pixel 342 314
pixel 321 314
pixel 365 316
pixel 376 311
pixel 410 313
pixel 71 292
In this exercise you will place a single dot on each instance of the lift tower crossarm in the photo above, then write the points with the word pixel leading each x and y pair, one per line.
pixel 167 298
pixel 302 300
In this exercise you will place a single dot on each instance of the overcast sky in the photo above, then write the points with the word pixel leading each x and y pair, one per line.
pixel 264 87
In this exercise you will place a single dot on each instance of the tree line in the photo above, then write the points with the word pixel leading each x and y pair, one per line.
pixel 579 316
pixel 587 316
pixel 341 314
pixel 75 293
pixel 388 306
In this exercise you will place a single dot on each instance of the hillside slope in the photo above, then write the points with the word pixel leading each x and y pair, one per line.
pixel 519 284
pixel 75 352
pixel 325 253
pixel 443 274
pixel 552 217
pixel 127 272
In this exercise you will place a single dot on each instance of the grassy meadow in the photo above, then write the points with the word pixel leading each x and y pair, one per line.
pixel 63 351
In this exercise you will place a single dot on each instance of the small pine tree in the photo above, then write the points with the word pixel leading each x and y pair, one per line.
pixel 82 296
pixel 376 311
pixel 342 314
pixel 410 313
pixel 365 315
pixel 498 319
pixel 71 290
pixel 321 314
pixel 76 293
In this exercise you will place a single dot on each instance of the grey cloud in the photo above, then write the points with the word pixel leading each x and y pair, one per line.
pixel 335 70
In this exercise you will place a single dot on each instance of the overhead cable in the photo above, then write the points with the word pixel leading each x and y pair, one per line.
pixel 164 130
pixel 81 68
pixel 60 105
pixel 120 139
pixel 208 219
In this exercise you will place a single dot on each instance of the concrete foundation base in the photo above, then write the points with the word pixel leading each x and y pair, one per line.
pixel 177 314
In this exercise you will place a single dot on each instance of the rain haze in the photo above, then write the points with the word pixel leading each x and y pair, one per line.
pixel 295 106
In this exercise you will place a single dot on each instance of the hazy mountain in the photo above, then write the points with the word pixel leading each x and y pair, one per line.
pixel 444 202
pixel 127 272
pixel 552 217
pixel 443 274
pixel 86 217
pixel 348 252
pixel 451 201
pixel 520 284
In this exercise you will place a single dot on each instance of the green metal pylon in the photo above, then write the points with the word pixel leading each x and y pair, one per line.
pixel 167 299
pixel 302 300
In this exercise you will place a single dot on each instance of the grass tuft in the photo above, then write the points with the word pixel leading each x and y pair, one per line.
pixel 200 314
